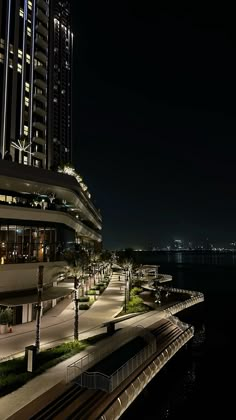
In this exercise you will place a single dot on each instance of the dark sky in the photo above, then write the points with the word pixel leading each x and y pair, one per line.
pixel 155 120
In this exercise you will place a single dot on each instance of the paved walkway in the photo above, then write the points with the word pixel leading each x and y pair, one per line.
pixel 57 324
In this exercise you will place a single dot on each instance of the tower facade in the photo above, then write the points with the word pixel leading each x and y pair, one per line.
pixel 24 76
pixel 35 80
pixel 60 84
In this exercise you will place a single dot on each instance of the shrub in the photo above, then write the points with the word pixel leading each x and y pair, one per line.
pixel 95 288
pixel 136 305
pixel 91 292
pixel 13 372
pixel 84 306
pixel 102 284
pixel 84 299
pixel 135 291
pixel 6 316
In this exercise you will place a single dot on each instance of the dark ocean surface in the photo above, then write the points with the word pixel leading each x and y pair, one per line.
pixel 199 382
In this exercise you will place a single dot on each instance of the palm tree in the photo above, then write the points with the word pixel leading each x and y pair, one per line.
pixel 96 264
pixel 75 270
pixel 127 266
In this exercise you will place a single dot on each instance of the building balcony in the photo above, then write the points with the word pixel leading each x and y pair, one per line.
pixel 27 214
pixel 39 155
pixel 41 70
pixel 43 5
pixel 65 187
pixel 41 98
pixel 41 43
pixel 42 30
pixel 42 57
pixel 38 125
pixel 39 111
pixel 39 140
pixel 42 17
pixel 40 83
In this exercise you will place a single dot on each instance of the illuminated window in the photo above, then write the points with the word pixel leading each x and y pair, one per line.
pixel 26 101
pixel 25 160
pixel 26 130
pixel 27 86
pixel 21 12
pixel 11 63
pixel 30 5
pixel 1 58
pixel 28 58
pixel 19 67
pixel 20 54
pixel 11 48
pixel 2 43
pixel 28 31
pixel 37 163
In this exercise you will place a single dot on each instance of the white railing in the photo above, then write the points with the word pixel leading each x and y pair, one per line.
pixel 192 293
pixel 118 407
pixel 99 380
pixel 91 358
pixel 184 305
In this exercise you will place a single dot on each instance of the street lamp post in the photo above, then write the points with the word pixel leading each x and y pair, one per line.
pixel 76 302
pixel 39 306
pixel 126 281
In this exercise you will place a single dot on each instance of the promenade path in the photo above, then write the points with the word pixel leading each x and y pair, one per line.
pixel 57 325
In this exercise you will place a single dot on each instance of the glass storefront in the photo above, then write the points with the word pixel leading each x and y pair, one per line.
pixel 27 244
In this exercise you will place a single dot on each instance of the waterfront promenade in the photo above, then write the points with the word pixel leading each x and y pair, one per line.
pixel 58 325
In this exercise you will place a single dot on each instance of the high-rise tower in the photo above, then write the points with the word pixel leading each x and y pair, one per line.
pixel 24 76
pixel 35 81
pixel 43 213
pixel 60 84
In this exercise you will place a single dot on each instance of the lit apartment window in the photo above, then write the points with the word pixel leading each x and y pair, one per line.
pixel 26 101
pixel 38 91
pixel 37 63
pixel 20 54
pixel 11 63
pixel 11 48
pixel 1 58
pixel 19 67
pixel 27 86
pixel 25 160
pixel 28 31
pixel 21 12
pixel 30 5
pixel 2 43
pixel 26 130
pixel 28 58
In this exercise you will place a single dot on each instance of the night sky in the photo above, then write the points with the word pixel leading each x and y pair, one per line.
pixel 155 121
